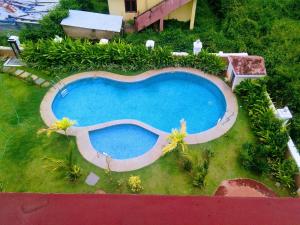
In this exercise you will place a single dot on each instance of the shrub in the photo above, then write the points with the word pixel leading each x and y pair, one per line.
pixel 295 130
pixel 268 154
pixel 199 173
pixel 186 161
pixel 252 157
pixel 49 26
pixel 73 173
pixel 196 164
pixel 284 172
pixel 72 55
pixel 135 184
pixel 1 186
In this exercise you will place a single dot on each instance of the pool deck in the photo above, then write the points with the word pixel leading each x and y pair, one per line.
pixel 82 133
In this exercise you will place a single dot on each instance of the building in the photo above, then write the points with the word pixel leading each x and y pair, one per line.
pixel 245 67
pixel 107 209
pixel 147 12
pixel 81 24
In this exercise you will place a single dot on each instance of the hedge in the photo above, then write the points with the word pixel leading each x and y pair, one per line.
pixel 267 155
pixel 72 55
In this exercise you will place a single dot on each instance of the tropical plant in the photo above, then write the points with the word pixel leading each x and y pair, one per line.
pixel 67 166
pixel 135 184
pixel 196 164
pixel 72 55
pixel 60 125
pixel 199 174
pixel 186 161
pixel 200 167
pixel 73 173
pixel 1 186
pixel 268 154
pixel 284 172
pixel 253 157
pixel 176 139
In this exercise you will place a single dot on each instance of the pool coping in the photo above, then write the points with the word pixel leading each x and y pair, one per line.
pixel 82 133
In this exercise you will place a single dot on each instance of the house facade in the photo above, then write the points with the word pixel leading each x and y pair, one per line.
pixel 130 9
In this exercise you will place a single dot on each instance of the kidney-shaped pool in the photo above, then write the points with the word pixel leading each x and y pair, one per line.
pixel 161 101
pixel 129 117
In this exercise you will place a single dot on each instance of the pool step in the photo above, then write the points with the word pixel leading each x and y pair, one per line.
pixel 64 93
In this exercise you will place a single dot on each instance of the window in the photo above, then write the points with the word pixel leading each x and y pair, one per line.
pixel 130 5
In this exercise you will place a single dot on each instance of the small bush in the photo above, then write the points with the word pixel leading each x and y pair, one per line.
pixel 252 157
pixel 284 172
pixel 135 184
pixel 73 173
pixel 186 162
pixel 199 173
pixel 196 164
pixel 1 186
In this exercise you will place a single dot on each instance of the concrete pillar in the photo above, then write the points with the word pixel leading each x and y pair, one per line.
pixel 193 14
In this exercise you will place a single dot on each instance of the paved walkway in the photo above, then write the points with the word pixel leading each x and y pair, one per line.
pixel 29 77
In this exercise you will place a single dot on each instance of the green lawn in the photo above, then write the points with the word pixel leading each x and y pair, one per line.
pixel 22 167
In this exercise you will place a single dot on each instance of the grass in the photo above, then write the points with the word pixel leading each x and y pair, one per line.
pixel 22 167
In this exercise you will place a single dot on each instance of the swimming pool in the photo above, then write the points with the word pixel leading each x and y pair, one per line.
pixel 128 118
pixel 123 141
pixel 161 101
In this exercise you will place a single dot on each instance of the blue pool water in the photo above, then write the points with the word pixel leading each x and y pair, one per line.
pixel 123 141
pixel 161 102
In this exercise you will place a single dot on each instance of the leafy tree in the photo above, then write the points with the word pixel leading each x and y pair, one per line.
pixel 49 26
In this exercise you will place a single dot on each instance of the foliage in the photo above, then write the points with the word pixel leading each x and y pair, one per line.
pixel 93 5
pixel 1 186
pixel 186 161
pixel 253 157
pixel 199 174
pixel 176 139
pixel 196 165
pixel 268 154
pixel 295 130
pixel 284 172
pixel 60 125
pixel 200 168
pixel 73 173
pixel 4 36
pixel 83 55
pixel 49 26
pixel 67 166
pixel 135 184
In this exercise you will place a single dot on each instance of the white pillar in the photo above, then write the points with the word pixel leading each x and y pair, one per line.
pixel 197 47
pixel 150 44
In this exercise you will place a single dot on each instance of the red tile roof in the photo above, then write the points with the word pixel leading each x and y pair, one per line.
pixel 106 209
pixel 248 65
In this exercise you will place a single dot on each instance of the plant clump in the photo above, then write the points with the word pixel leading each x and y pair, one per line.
pixel 135 184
